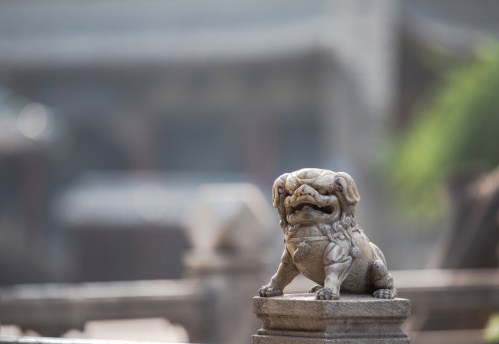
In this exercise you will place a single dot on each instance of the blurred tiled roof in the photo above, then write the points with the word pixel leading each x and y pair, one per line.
pixel 457 25
pixel 130 200
pixel 75 33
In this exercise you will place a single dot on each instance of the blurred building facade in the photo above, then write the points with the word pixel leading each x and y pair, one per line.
pixel 141 92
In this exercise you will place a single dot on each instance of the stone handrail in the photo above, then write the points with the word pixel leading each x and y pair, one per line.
pixel 439 289
pixel 45 340
pixel 53 309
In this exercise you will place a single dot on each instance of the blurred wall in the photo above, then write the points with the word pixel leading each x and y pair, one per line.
pixel 138 93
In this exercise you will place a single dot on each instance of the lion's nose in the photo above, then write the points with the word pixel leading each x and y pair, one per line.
pixel 305 190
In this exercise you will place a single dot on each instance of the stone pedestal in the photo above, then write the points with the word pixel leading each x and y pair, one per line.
pixel 227 225
pixel 231 279
pixel 301 319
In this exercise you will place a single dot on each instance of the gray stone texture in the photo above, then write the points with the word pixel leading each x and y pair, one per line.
pixel 323 241
pixel 301 319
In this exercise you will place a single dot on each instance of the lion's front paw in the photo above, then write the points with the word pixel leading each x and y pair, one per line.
pixel 315 288
pixel 385 293
pixel 270 290
pixel 327 294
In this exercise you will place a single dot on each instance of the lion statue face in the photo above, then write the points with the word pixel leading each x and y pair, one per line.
pixel 313 195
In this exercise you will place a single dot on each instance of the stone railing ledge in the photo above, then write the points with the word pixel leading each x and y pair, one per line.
pixel 46 340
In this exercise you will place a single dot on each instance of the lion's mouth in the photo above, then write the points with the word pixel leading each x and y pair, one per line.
pixel 328 209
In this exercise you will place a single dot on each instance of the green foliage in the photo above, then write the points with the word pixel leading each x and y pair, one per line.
pixel 461 125
pixel 492 329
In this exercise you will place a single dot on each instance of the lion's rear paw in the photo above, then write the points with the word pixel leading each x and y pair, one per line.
pixel 385 293
pixel 315 288
pixel 327 294
pixel 269 291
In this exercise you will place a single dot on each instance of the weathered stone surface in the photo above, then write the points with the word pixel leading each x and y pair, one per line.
pixel 301 319
pixel 324 243
pixel 322 239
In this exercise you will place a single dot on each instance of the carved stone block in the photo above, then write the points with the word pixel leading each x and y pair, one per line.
pixel 301 319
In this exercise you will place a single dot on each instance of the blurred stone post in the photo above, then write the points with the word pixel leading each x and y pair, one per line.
pixel 228 226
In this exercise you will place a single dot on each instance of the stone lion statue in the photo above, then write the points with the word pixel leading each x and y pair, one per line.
pixel 316 209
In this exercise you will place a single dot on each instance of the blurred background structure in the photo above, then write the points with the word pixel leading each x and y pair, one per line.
pixel 149 96
pixel 114 113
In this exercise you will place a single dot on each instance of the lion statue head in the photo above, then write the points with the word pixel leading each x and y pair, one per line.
pixel 313 195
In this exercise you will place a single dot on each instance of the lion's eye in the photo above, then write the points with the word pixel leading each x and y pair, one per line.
pixel 322 192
